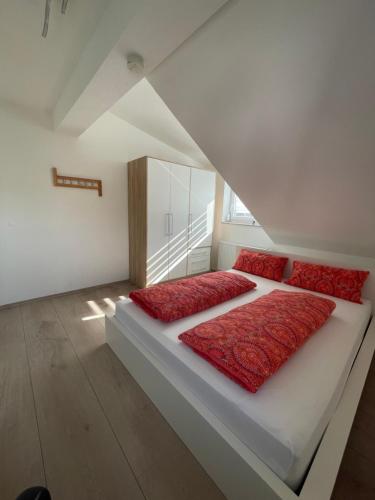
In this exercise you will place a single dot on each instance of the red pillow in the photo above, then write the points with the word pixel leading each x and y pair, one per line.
pixel 251 342
pixel 261 264
pixel 178 299
pixel 342 283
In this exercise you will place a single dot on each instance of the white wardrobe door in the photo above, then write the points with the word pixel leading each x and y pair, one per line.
pixel 202 206
pixel 158 220
pixel 178 243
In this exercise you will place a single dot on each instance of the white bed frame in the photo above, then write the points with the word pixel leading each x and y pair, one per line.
pixel 236 470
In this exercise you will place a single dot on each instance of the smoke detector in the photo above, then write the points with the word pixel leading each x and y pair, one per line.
pixel 135 63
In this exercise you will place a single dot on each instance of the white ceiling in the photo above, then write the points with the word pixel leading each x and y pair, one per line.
pixel 79 71
pixel 280 97
pixel 143 108
pixel 34 70
pixel 151 28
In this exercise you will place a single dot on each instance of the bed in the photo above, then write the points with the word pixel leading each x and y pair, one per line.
pixel 263 442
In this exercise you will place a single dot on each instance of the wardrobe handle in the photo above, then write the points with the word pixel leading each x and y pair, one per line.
pixel 166 225
pixel 171 226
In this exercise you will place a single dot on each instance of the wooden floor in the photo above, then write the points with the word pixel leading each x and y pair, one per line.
pixel 73 419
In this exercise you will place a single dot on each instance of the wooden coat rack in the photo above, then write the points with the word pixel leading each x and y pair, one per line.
pixel 76 182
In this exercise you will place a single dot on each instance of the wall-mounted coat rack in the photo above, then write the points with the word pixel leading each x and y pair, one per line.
pixel 76 182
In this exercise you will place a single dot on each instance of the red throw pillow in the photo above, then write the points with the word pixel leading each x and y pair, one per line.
pixel 342 283
pixel 177 299
pixel 251 342
pixel 261 264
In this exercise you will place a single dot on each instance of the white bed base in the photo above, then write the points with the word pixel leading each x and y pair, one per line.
pixel 235 468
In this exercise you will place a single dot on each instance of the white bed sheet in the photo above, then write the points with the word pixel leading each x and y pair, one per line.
pixel 284 421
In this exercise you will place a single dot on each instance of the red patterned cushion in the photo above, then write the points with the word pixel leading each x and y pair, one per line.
pixel 171 301
pixel 342 283
pixel 261 264
pixel 251 342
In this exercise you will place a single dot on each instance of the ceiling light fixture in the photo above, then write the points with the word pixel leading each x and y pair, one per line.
pixel 64 6
pixel 47 12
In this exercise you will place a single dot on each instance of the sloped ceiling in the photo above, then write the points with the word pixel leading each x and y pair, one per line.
pixel 143 108
pixel 33 69
pixel 280 96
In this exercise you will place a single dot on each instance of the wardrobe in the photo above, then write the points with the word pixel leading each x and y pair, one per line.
pixel 171 217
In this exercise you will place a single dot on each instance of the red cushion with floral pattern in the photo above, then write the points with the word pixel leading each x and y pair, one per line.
pixel 171 301
pixel 342 283
pixel 261 264
pixel 251 342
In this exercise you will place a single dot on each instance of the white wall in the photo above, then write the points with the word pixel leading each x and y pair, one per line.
pixel 52 239
pixel 143 108
pixel 280 98
pixel 255 236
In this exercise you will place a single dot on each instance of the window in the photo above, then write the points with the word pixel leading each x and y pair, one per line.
pixel 234 210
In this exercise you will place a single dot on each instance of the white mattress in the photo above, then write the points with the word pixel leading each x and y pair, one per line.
pixel 284 421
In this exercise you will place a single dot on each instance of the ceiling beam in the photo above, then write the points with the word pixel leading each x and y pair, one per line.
pixel 151 28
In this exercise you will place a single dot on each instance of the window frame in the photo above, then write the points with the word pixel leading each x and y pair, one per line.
pixel 229 215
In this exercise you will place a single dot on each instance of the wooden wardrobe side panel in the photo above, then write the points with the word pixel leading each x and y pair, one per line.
pixel 137 210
